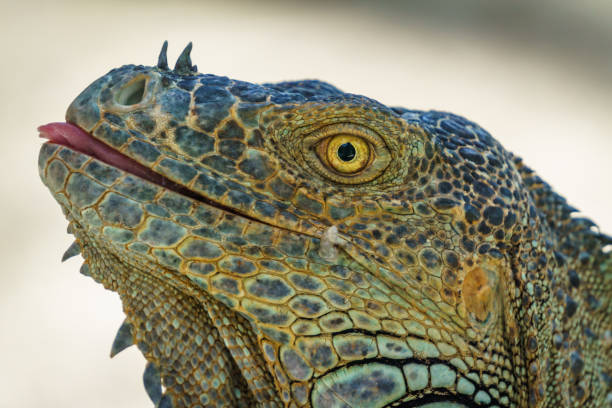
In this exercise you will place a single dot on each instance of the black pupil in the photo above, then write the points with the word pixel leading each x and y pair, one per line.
pixel 346 152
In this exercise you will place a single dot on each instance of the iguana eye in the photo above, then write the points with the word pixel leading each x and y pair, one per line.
pixel 346 153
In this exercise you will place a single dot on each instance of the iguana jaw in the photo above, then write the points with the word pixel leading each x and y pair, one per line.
pixel 139 283
pixel 75 138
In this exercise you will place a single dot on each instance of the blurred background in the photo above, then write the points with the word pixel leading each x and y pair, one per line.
pixel 537 75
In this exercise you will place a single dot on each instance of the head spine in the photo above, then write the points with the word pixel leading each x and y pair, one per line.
pixel 183 63
pixel 162 60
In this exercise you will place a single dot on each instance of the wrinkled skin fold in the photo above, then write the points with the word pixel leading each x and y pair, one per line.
pixel 293 245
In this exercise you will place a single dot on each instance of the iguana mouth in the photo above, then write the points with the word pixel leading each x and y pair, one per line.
pixel 72 136
pixel 75 138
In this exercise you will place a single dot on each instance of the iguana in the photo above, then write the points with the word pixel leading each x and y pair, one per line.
pixel 290 244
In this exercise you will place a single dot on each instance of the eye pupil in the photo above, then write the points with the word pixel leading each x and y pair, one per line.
pixel 346 152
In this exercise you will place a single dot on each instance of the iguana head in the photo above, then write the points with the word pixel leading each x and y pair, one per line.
pixel 291 242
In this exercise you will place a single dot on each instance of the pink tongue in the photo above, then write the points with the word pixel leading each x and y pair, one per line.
pixel 75 138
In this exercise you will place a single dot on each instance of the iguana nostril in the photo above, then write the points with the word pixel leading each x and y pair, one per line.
pixel 132 92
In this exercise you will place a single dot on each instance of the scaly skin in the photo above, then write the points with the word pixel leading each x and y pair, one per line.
pixel 443 273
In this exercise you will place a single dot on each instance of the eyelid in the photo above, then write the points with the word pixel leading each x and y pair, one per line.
pixel 343 128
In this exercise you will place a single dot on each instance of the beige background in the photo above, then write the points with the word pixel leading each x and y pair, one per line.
pixel 538 77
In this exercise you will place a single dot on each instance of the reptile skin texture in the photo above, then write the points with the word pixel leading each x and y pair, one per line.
pixel 292 245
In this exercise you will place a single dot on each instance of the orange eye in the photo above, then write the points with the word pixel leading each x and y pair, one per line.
pixel 348 154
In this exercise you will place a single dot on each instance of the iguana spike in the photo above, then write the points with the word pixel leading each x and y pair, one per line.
pixel 152 383
pixel 123 339
pixel 162 60
pixel 73 250
pixel 183 63
pixel 84 270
